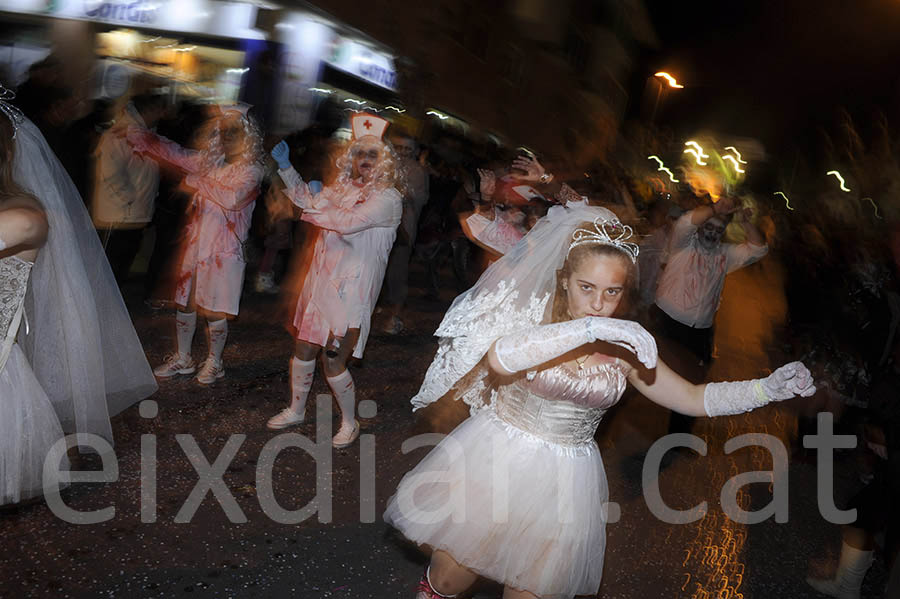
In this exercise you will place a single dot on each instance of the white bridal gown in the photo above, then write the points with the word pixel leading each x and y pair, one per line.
pixel 28 423
pixel 517 492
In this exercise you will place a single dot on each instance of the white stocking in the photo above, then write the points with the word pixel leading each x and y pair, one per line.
pixel 185 325
pixel 218 334
pixel 302 372
pixel 345 393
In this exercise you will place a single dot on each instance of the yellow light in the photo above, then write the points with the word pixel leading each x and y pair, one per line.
pixel 696 155
pixel 443 117
pixel 840 178
pixel 698 147
pixel 663 168
pixel 787 202
pixel 669 78
pixel 737 167
pixel 735 150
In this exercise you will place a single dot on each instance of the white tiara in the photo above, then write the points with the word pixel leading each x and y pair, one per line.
pixel 607 232
pixel 12 112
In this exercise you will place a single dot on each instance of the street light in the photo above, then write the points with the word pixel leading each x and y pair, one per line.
pixel 671 80
pixel 663 76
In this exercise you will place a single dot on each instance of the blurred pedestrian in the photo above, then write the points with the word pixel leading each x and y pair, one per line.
pixel 225 176
pixel 357 217
pixel 126 185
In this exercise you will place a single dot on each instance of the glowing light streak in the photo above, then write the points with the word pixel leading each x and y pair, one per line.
pixel 669 78
pixel 394 108
pixel 321 90
pixel 871 201
pixel 737 166
pixel 443 117
pixel 839 178
pixel 696 155
pixel 662 167
pixel 355 101
pixel 739 157
pixel 698 147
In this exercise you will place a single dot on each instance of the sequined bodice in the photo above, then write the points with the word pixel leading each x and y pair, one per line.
pixel 562 406
pixel 13 284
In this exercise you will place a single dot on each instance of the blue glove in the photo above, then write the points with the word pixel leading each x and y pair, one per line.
pixel 282 155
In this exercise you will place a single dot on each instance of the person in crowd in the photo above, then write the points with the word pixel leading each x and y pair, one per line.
pixel 357 217
pixel 690 287
pixel 876 501
pixel 653 249
pixel 126 185
pixel 517 492
pixel 396 278
pixel 225 175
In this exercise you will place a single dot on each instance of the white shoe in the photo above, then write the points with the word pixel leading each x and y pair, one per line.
pixel 345 436
pixel 175 364
pixel 211 371
pixel 285 418
pixel 265 283
pixel 831 587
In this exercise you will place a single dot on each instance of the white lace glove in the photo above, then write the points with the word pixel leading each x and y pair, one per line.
pixel 723 399
pixel 524 350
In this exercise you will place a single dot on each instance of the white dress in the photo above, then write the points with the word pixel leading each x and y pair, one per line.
pixel 28 423
pixel 517 492
pixel 357 229
pixel 212 261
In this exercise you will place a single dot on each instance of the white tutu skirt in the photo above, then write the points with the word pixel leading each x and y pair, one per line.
pixel 512 507
pixel 28 428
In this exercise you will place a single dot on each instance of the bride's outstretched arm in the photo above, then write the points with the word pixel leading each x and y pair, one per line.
pixel 669 390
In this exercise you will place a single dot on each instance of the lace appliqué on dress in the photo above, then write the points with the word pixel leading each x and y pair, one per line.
pixel 13 285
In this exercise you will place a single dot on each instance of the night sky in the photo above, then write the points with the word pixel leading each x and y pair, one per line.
pixel 777 70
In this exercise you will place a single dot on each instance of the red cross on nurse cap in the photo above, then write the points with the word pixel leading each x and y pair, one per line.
pixel 364 124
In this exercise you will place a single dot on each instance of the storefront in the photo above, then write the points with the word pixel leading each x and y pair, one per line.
pixel 196 47
pixel 328 71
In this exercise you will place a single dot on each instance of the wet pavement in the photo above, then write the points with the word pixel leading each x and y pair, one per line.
pixel 246 553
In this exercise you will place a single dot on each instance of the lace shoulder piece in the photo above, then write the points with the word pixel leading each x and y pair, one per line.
pixel 471 325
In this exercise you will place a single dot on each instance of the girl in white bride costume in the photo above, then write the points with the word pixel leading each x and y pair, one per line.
pixel 517 493
pixel 69 339
pixel 29 424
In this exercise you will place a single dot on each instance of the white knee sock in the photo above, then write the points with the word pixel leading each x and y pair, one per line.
pixel 185 325
pixel 852 568
pixel 345 394
pixel 218 333
pixel 301 382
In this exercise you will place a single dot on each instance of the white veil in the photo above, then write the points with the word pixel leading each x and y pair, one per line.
pixel 82 344
pixel 514 293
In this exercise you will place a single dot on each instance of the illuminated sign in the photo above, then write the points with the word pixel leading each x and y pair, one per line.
pixel 364 62
pixel 128 12
pixel 226 19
